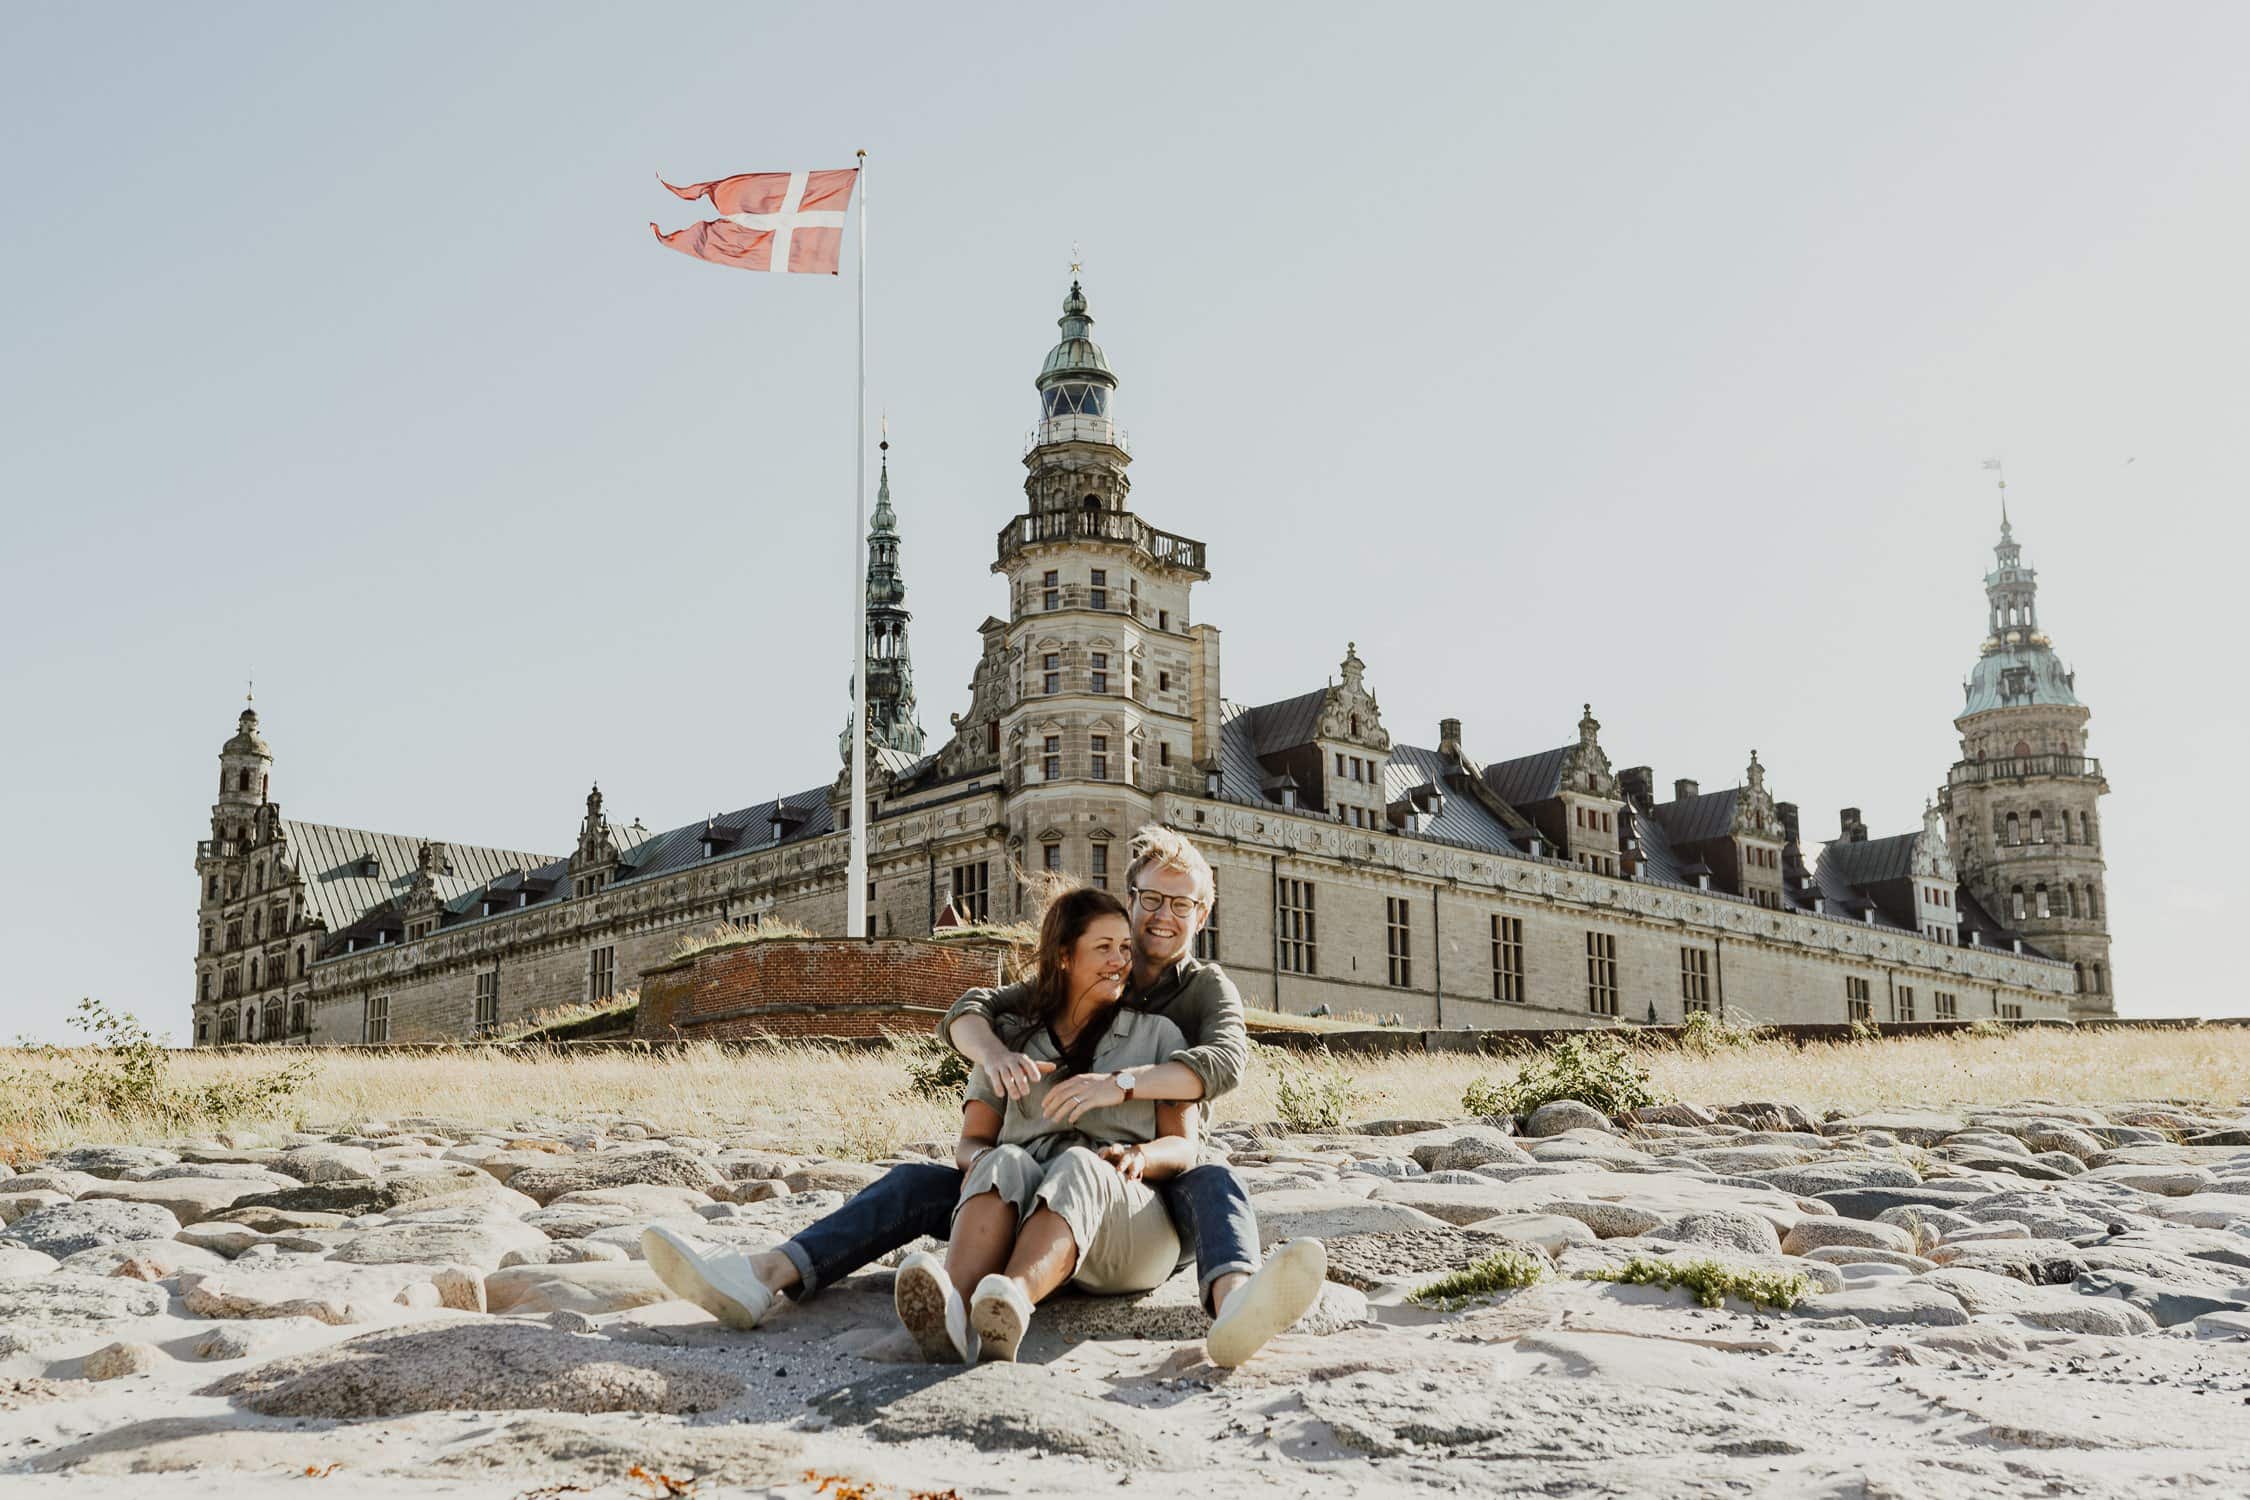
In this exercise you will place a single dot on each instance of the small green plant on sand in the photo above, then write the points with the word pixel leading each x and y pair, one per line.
pixel 936 1071
pixel 1711 1282
pixel 1484 1097
pixel 1501 1271
pixel 122 1078
pixel 1310 1091
pixel 1593 1067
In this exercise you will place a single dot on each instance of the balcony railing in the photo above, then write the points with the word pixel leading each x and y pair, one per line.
pixel 1099 526
pixel 2022 767
pixel 1077 429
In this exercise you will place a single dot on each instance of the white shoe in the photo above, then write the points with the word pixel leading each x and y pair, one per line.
pixel 999 1314
pixel 722 1285
pixel 1279 1293
pixel 933 1311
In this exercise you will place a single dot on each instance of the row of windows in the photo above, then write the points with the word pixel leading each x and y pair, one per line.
pixel 2063 901
pixel 2012 830
pixel 1097 674
pixel 1097 596
pixel 256 1024
pixel 1354 767
pixel 1595 819
pixel 1097 757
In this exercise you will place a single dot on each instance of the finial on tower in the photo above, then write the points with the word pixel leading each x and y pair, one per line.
pixel 1077 262
pixel 1993 464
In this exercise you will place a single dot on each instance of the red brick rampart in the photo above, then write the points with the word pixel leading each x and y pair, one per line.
pixel 812 987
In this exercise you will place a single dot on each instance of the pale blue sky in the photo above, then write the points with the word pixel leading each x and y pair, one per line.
pixel 1635 353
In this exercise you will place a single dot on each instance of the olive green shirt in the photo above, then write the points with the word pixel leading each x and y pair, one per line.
pixel 1195 996
pixel 1134 1039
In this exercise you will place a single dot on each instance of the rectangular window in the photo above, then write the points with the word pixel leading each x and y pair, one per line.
pixel 1857 1004
pixel 1163 752
pixel 601 974
pixel 1507 958
pixel 1050 672
pixel 1947 1003
pixel 1296 938
pixel 1097 752
pixel 1052 587
pixel 971 891
pixel 1136 664
pixel 1399 933
pixel 488 1002
pixel 2010 1012
pixel 1207 936
pixel 375 1023
pixel 1163 619
pixel 1099 682
pixel 1695 980
pixel 1339 765
pixel 1164 682
pixel 1902 1004
pixel 1098 594
pixel 1101 866
pixel 1050 856
pixel 1601 973
pixel 1050 758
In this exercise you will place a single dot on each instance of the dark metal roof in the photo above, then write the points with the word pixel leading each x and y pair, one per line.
pixel 1274 727
pixel 1528 778
pixel 1871 860
pixel 1691 820
pixel 338 889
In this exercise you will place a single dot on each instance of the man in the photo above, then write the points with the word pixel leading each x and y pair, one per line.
pixel 1169 889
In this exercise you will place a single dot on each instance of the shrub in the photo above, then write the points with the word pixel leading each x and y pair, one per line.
pixel 1593 1067
pixel 1711 1282
pixel 1705 1034
pixel 1866 1031
pixel 1311 1092
pixel 1988 1027
pixel 1484 1097
pixel 124 1077
pixel 1501 1271
pixel 936 1071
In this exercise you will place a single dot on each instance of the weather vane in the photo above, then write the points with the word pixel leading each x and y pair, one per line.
pixel 1076 263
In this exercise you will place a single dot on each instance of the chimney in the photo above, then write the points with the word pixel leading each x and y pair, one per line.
pixel 1203 697
pixel 1787 813
pixel 1854 831
pixel 1683 789
pixel 1639 785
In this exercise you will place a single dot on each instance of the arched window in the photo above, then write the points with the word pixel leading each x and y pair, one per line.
pixel 202 1030
pixel 2023 748
pixel 2039 898
pixel 2080 969
pixel 297 1015
pixel 2099 987
pixel 270 1024
pixel 242 781
pixel 258 924
pixel 2015 831
pixel 253 971
pixel 2038 827
pixel 2070 892
pixel 2093 905
pixel 203 986
pixel 300 962
pixel 2015 903
pixel 227 1024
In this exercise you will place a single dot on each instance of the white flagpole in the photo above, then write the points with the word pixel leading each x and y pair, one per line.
pixel 855 896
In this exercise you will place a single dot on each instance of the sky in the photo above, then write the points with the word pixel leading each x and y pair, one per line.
pixel 1632 354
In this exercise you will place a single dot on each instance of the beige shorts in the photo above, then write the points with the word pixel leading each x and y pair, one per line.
pixel 1125 1239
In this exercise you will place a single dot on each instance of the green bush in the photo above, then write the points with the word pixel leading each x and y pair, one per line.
pixel 124 1075
pixel 1704 1033
pixel 1596 1068
pixel 936 1071
pixel 1484 1097
pixel 1711 1282
pixel 1311 1091
pixel 1866 1031
pixel 1501 1271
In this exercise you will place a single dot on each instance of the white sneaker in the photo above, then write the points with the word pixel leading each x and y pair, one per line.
pixel 933 1311
pixel 1279 1293
pixel 999 1313
pixel 722 1285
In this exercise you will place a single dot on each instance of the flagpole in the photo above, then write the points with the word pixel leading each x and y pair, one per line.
pixel 855 897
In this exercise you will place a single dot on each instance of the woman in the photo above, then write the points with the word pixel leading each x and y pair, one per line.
pixel 1049 1200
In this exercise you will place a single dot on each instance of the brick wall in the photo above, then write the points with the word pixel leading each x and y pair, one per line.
pixel 829 987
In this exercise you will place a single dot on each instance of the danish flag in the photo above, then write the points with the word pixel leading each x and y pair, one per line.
pixel 769 221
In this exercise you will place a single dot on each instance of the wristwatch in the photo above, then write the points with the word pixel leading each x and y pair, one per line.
pixel 1126 1081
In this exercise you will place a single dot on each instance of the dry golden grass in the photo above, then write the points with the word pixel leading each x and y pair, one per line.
pixel 853 1103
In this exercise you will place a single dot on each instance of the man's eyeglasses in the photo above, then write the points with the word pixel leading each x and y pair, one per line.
pixel 1183 907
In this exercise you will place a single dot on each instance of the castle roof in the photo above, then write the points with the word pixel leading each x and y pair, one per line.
pixel 349 872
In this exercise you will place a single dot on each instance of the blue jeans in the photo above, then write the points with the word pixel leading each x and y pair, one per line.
pixel 1208 1206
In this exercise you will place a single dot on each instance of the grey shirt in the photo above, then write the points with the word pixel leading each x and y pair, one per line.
pixel 1135 1039
pixel 1195 996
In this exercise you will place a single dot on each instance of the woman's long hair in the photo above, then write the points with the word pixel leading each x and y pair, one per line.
pixel 1067 917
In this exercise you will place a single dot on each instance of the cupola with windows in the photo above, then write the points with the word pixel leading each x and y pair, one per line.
pixel 1077 388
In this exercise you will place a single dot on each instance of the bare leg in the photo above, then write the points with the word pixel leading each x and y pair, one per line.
pixel 1044 1256
pixel 983 1231
pixel 1223 1288
pixel 777 1271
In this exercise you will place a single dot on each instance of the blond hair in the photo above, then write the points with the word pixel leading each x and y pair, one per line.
pixel 1160 848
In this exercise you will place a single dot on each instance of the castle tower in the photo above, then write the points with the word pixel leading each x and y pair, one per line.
pixel 246 914
pixel 1097 649
pixel 890 664
pixel 2019 804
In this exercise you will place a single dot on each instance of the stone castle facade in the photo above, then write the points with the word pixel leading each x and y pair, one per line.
pixel 1356 873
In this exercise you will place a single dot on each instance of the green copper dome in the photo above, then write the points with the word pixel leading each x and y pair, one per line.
pixel 1077 356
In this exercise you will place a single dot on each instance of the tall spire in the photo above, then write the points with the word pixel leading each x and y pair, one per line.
pixel 890 664
pixel 2017 664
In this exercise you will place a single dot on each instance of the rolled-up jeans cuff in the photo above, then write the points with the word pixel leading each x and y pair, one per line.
pixel 808 1279
pixel 1213 1273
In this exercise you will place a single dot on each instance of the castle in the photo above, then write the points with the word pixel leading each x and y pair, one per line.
pixel 1356 873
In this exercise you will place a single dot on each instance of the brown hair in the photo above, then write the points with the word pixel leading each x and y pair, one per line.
pixel 1067 917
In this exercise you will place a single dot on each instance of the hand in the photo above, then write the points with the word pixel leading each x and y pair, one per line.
pixel 1130 1161
pixel 1014 1074
pixel 1072 1097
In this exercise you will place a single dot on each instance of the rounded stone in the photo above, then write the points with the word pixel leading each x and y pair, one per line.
pixel 1559 1115
pixel 1723 1229
pixel 68 1228
pixel 1811 1234
pixel 114 1361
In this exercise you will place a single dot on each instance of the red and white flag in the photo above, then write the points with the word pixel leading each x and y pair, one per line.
pixel 770 221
